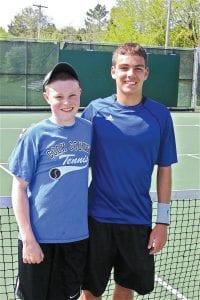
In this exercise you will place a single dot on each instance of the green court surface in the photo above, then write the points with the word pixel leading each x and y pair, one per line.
pixel 177 267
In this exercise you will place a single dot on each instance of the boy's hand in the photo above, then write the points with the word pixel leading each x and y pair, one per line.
pixel 32 252
pixel 158 238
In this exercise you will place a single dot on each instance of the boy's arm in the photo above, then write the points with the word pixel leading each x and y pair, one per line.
pixel 32 252
pixel 158 237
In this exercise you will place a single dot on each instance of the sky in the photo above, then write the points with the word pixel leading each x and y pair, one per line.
pixel 62 12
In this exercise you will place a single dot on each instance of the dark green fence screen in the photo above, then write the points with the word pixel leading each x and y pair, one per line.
pixel 22 68
pixel 23 65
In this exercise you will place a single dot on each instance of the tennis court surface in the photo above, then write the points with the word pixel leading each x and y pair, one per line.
pixel 178 266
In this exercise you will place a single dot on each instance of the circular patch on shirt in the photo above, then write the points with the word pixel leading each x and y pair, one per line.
pixel 55 173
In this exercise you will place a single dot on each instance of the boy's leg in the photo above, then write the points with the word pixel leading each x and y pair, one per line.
pixel 86 295
pixel 33 279
pixel 100 260
pixel 122 293
pixel 59 276
pixel 134 266
pixel 68 269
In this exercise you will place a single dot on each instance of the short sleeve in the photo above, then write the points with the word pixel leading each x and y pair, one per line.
pixel 23 159
pixel 167 151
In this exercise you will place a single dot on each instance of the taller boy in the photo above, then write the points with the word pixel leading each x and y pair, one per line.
pixel 132 134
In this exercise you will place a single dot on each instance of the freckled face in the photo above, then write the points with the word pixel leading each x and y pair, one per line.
pixel 64 98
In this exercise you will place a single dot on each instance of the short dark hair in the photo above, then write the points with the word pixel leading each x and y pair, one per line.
pixel 129 49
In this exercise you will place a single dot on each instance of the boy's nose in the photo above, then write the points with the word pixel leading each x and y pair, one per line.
pixel 66 100
pixel 131 72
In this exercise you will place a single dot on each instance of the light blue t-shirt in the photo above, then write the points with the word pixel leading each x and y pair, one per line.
pixel 128 141
pixel 54 160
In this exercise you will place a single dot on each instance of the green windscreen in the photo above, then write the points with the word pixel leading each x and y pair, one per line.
pixel 93 68
pixel 162 84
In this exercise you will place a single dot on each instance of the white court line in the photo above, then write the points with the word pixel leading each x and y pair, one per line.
pixel 170 288
pixel 186 154
pixel 194 156
pixel 187 115
pixel 195 125
pixel 6 170
pixel 17 128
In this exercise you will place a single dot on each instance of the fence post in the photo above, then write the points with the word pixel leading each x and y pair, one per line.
pixel 26 73
pixel 196 80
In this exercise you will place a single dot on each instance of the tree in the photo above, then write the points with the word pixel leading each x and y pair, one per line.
pixel 151 20
pixel 68 33
pixel 25 24
pixel 95 23
pixel 141 21
pixel 185 23
pixel 145 21
pixel 3 33
pixel 97 17
pixel 121 26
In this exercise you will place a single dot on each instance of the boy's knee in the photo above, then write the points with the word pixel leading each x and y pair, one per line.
pixel 86 295
pixel 122 293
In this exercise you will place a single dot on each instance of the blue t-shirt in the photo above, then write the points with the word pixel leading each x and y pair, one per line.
pixel 54 160
pixel 127 142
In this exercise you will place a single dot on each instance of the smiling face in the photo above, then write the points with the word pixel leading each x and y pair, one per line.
pixel 64 98
pixel 130 72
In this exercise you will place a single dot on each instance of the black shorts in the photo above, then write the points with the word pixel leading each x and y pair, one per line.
pixel 124 248
pixel 59 276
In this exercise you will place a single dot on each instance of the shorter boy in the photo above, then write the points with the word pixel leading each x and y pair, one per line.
pixel 49 194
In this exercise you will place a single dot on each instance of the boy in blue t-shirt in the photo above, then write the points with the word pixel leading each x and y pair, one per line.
pixel 131 134
pixel 50 188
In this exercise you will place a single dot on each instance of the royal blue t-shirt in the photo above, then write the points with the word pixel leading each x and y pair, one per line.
pixel 128 141
pixel 54 159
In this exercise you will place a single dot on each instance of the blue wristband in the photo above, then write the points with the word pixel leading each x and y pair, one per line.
pixel 163 213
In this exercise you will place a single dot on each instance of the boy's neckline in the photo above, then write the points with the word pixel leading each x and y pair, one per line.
pixel 52 120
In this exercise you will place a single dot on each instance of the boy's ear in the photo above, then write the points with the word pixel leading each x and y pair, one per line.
pixel 146 73
pixel 45 95
pixel 113 73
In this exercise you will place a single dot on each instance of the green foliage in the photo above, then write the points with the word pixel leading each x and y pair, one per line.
pixel 96 18
pixel 3 33
pixel 143 21
pixel 185 27
pixel 27 23
pixel 121 26
pixel 95 24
